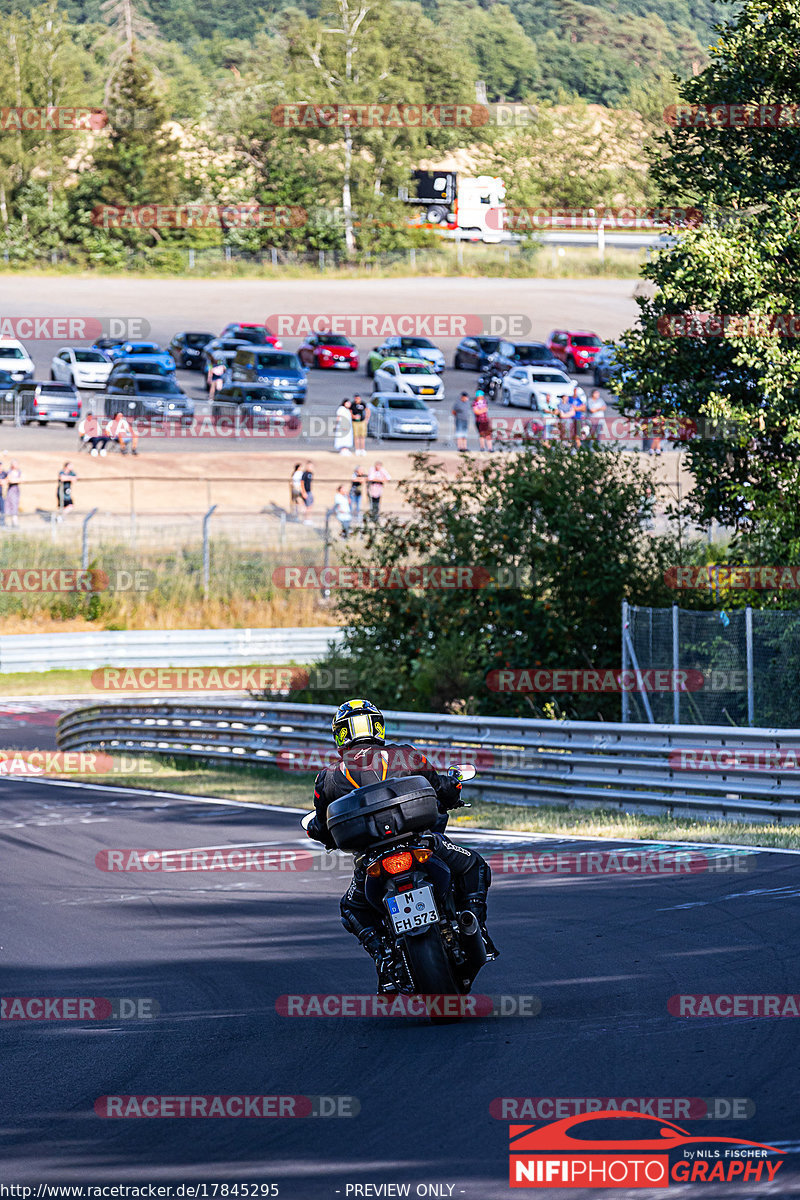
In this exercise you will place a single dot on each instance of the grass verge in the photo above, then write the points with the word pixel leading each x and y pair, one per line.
pixel 265 785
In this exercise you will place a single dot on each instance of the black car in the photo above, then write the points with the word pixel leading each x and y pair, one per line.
pixel 514 354
pixel 148 396
pixel 472 353
pixel 220 350
pixel 187 349
pixel 255 401
pixel 132 366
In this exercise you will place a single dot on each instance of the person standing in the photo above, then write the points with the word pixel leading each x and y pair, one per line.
pixel 566 416
pixel 12 493
pixel 64 489
pixel 341 507
pixel 376 480
pixel 579 404
pixel 343 429
pixel 296 489
pixel 596 409
pixel 215 379
pixel 307 480
pixel 480 408
pixel 3 477
pixel 356 488
pixel 460 413
pixel 360 417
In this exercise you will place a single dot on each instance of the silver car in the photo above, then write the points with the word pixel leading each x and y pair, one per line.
pixel 393 415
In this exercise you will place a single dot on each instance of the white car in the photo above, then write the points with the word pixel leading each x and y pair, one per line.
pixel 412 376
pixel 530 387
pixel 15 359
pixel 82 367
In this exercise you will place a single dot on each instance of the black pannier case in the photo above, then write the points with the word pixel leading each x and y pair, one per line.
pixel 379 812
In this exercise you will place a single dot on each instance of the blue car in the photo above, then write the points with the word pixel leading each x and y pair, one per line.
pixel 150 351
pixel 279 368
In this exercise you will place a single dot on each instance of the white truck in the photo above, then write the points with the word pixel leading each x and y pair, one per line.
pixel 457 205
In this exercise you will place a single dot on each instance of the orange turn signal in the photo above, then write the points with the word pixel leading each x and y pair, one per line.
pixel 374 869
pixel 421 855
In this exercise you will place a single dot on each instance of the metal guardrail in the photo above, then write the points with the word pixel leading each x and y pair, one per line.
pixel 581 764
pixel 165 648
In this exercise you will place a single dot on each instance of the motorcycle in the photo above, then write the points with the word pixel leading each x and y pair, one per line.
pixel 436 948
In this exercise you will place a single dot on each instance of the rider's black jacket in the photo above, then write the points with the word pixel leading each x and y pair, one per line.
pixel 369 763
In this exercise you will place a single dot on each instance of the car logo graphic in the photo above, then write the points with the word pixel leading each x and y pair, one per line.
pixel 654 1153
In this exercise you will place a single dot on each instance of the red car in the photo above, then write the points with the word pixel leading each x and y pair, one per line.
pixel 576 350
pixel 329 350
pixel 252 331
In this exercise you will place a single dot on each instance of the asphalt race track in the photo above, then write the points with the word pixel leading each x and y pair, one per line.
pixel 216 949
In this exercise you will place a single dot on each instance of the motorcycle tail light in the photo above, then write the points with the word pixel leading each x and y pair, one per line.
pixel 395 864
pixel 421 855
pixel 374 869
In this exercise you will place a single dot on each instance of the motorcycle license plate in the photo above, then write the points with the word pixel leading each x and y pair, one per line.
pixel 412 909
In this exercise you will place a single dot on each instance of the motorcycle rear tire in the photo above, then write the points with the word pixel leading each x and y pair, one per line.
pixel 430 968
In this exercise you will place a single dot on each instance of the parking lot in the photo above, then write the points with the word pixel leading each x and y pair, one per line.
pixel 168 306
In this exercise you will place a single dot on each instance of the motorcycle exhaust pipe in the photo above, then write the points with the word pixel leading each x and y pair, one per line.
pixel 472 942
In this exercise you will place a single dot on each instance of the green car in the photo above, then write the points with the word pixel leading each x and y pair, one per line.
pixel 380 355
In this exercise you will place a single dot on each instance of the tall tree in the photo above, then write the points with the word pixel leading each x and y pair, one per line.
pixel 742 259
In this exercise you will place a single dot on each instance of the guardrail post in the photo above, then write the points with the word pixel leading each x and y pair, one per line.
pixel 85 540
pixel 676 664
pixel 748 626
pixel 206 551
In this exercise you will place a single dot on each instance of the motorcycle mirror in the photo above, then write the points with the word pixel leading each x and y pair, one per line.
pixel 307 819
pixel 466 771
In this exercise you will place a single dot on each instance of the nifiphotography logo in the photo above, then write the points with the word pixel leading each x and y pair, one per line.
pixel 613 1149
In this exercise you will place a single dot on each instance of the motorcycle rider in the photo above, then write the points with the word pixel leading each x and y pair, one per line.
pixel 359 733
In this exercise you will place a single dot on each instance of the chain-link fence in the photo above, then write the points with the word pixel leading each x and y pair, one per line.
pixel 719 668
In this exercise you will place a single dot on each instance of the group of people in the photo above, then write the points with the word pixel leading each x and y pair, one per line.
pixel 346 501
pixel 350 430
pixel 96 433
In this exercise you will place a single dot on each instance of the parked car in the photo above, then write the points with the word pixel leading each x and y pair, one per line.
pixel 604 366
pixel 139 366
pixel 221 350
pixel 256 400
pixel 329 351
pixel 414 377
pixel 576 350
pixel 86 368
pixel 15 358
pixel 513 354
pixel 147 350
pixel 261 364
pixel 187 349
pixel 43 401
pixel 153 396
pixel 472 353
pixel 407 347
pixel 111 347
pixel 528 387
pixel 251 331
pixel 394 416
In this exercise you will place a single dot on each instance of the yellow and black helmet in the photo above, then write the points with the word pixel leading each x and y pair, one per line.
pixel 357 721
